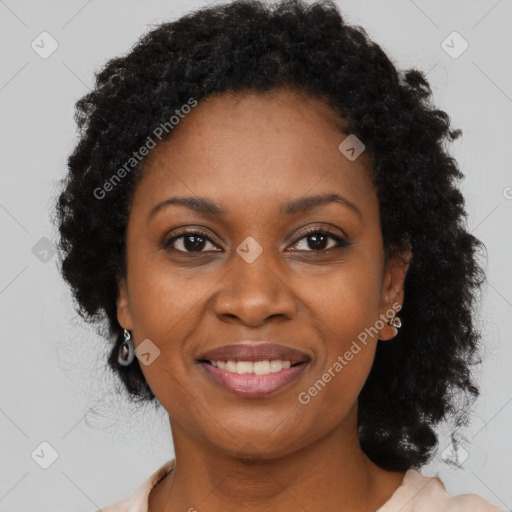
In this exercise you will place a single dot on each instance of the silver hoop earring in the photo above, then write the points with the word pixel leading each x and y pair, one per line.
pixel 126 350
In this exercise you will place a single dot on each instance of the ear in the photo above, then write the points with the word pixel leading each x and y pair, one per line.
pixel 123 306
pixel 393 289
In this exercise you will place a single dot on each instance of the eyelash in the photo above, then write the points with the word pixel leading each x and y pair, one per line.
pixel 342 243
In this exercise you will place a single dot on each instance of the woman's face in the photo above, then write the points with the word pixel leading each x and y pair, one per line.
pixel 252 274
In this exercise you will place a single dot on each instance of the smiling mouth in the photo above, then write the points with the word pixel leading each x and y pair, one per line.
pixel 264 367
pixel 253 379
pixel 253 369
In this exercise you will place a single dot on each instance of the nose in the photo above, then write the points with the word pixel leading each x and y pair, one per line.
pixel 253 293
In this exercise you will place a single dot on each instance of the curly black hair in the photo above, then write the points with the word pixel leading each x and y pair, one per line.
pixel 254 46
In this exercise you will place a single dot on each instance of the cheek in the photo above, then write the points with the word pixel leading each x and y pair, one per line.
pixel 345 303
pixel 340 373
pixel 165 302
pixel 344 310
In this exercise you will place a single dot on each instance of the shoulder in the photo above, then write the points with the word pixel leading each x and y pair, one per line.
pixel 419 493
pixel 137 501
pixel 470 502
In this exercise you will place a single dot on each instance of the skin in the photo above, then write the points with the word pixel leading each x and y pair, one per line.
pixel 249 153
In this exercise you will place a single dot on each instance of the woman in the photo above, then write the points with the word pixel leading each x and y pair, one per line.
pixel 258 201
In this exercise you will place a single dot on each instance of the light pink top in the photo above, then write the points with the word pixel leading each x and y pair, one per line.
pixel 417 493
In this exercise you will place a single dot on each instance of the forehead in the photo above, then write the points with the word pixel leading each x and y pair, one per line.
pixel 243 148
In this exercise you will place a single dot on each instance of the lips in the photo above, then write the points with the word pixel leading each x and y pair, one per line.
pixel 253 369
pixel 251 351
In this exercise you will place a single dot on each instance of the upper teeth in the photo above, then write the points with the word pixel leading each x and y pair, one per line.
pixel 258 367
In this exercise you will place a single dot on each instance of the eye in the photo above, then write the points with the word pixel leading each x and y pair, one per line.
pixel 318 239
pixel 196 241
pixel 189 241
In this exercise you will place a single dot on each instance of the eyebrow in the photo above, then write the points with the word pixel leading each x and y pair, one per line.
pixel 205 206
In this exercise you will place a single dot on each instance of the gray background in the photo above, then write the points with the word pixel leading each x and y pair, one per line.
pixel 54 386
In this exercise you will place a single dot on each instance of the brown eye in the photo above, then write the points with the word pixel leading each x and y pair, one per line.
pixel 190 241
pixel 318 241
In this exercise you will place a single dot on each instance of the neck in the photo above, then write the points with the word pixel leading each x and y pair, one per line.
pixel 324 474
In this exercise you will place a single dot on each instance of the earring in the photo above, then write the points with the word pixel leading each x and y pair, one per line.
pixel 126 350
pixel 395 321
